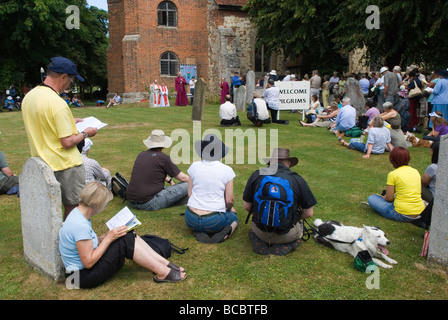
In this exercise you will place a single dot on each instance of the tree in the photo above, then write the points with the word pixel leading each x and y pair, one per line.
pixel 298 28
pixel 321 30
pixel 33 31
pixel 409 31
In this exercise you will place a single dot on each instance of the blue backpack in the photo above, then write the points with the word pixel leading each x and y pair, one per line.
pixel 273 208
pixel 252 112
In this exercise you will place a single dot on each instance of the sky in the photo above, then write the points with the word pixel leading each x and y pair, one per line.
pixel 102 4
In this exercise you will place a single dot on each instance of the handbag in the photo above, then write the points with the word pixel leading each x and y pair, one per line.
pixel 415 92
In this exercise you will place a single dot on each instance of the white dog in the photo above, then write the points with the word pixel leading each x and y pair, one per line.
pixel 352 240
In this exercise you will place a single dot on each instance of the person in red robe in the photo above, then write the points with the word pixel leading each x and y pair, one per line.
pixel 224 90
pixel 181 97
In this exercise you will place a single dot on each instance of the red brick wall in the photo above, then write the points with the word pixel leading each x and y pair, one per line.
pixel 137 64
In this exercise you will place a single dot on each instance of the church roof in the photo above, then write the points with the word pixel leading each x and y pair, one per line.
pixel 231 3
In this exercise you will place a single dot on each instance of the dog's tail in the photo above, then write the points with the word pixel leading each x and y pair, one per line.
pixel 318 222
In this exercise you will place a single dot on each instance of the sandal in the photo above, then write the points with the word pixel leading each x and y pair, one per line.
pixel 173 276
pixel 175 267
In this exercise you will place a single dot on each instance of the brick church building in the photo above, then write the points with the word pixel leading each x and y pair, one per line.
pixel 151 39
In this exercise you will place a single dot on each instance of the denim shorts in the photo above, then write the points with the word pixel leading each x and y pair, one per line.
pixel 209 223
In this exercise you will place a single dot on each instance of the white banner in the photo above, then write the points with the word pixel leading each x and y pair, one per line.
pixel 294 95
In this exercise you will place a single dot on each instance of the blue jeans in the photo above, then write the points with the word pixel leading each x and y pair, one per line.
pixel 210 223
pixel 386 209
pixel 172 196
pixel 359 146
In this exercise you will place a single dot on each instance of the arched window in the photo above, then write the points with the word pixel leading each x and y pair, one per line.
pixel 169 64
pixel 167 14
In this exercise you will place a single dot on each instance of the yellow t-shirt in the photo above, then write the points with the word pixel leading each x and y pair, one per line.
pixel 408 190
pixel 48 118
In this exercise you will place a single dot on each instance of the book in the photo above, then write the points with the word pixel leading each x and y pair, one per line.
pixel 90 122
pixel 123 218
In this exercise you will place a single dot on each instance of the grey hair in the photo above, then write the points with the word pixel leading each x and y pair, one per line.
pixel 388 106
pixel 347 99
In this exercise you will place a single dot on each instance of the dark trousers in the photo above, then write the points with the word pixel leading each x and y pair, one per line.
pixel 110 263
pixel 274 116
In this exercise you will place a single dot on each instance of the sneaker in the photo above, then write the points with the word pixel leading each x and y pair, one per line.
pixel 364 205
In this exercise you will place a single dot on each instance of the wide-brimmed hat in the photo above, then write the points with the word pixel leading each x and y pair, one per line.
pixel 282 154
pixel 157 139
pixel 383 69
pixel 211 148
pixel 273 72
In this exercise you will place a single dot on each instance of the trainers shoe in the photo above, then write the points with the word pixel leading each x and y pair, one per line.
pixel 364 205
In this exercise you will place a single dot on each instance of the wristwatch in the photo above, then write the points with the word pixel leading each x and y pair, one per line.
pixel 85 134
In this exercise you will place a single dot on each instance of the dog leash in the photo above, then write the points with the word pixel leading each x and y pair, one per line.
pixel 314 231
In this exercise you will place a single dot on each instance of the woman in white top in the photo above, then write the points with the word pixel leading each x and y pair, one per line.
pixel 210 213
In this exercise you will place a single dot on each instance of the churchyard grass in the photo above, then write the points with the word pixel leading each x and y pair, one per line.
pixel 339 178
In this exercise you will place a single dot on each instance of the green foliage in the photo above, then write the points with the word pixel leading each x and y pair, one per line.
pixel 410 31
pixel 33 31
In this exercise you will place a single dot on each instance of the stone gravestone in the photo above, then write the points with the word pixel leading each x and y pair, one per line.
pixel 151 96
pixel 41 211
pixel 199 100
pixel 438 239
pixel 239 98
pixel 354 92
pixel 250 85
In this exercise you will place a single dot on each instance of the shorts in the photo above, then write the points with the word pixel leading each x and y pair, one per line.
pixel 72 181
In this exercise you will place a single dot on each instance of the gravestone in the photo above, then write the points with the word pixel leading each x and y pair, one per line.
pixel 354 92
pixel 151 96
pixel 41 211
pixel 250 85
pixel 239 98
pixel 199 100
pixel 438 239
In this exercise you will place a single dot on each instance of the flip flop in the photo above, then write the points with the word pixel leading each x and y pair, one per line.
pixel 173 276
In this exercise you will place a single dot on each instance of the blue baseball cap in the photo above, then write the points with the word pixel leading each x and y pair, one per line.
pixel 64 65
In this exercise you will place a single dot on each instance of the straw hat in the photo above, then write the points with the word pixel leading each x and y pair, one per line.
pixel 157 139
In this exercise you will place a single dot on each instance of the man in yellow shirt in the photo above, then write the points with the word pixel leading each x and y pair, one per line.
pixel 52 132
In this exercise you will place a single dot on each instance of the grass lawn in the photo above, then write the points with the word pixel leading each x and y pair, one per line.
pixel 339 178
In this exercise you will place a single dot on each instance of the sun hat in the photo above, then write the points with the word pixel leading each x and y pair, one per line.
pixel 282 154
pixel 87 144
pixel 383 69
pixel 273 72
pixel 64 65
pixel 157 139
pixel 211 148
pixel 434 114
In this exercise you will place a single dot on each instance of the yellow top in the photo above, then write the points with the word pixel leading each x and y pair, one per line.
pixel 408 190
pixel 48 118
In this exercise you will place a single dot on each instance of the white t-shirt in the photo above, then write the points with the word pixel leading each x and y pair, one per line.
pixel 271 95
pixel 209 180
pixel 262 109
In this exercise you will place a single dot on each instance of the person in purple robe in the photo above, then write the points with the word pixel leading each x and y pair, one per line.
pixel 224 90
pixel 181 97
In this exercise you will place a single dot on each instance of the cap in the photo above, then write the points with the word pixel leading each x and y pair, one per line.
pixel 64 65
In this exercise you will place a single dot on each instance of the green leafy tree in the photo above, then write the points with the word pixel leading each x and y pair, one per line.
pixel 321 30
pixel 33 31
pixel 298 28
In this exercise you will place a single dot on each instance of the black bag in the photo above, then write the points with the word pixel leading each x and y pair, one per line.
pixel 162 246
pixel 119 186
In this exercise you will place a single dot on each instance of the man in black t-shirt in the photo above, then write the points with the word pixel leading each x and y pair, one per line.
pixel 280 162
pixel 152 168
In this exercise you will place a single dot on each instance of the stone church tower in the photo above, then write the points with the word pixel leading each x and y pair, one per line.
pixel 150 39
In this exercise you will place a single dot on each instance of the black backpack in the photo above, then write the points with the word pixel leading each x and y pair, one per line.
pixel 162 246
pixel 273 207
pixel 252 112
pixel 119 186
